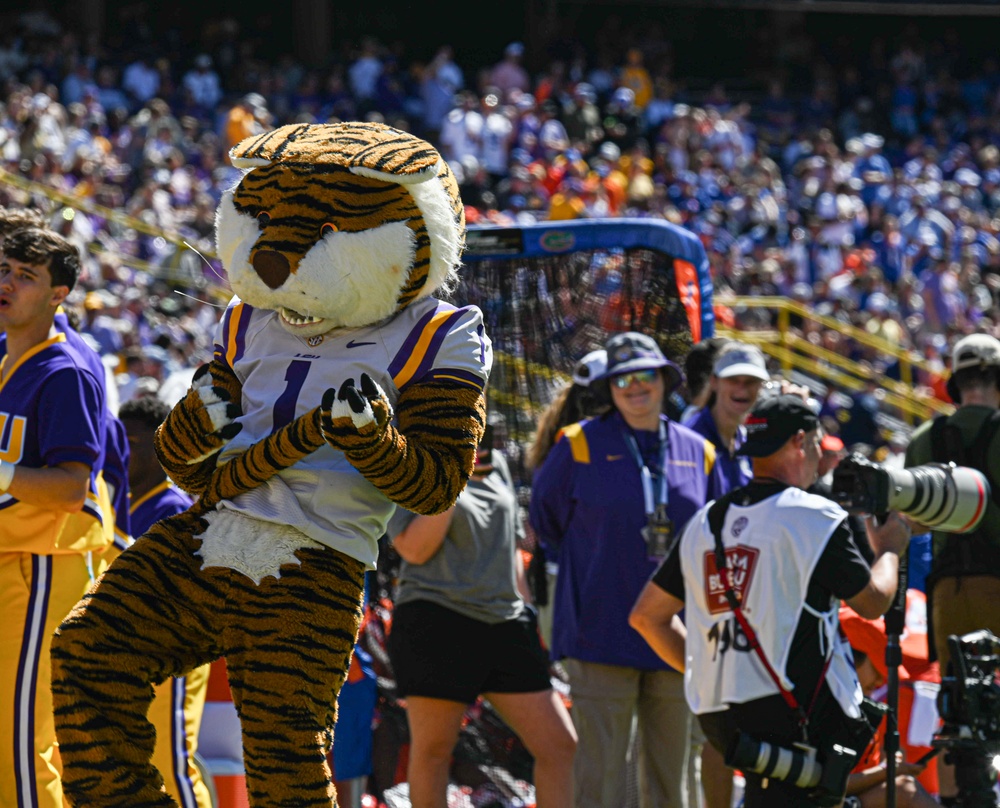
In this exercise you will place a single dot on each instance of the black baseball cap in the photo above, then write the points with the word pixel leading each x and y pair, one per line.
pixel 773 421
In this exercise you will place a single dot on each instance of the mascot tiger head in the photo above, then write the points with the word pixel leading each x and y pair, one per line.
pixel 336 225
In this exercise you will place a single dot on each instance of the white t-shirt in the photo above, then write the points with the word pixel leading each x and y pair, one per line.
pixel 460 133
pixel 495 142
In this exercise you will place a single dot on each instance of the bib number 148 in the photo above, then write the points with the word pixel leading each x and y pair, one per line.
pixel 727 634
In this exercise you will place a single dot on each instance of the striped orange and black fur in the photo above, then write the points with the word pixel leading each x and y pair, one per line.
pixel 156 614
pixel 287 641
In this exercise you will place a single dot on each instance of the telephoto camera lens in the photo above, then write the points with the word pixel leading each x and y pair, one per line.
pixel 797 766
pixel 951 498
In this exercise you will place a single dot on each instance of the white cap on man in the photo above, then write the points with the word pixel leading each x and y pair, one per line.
pixel 975 350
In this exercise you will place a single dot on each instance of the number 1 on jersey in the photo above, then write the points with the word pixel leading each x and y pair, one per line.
pixel 284 407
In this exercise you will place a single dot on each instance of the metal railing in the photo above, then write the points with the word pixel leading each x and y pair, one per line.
pixel 832 368
pixel 791 350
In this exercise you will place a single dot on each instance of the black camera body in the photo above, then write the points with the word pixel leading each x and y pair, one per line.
pixel 969 706
pixel 969 699
pixel 821 773
pixel 860 486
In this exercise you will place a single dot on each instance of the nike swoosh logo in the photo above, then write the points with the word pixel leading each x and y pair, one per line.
pixel 615 457
pixel 353 344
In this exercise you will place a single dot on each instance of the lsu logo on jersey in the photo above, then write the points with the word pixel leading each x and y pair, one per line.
pixel 12 432
pixel 740 563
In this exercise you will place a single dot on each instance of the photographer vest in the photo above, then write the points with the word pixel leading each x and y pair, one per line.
pixel 772 548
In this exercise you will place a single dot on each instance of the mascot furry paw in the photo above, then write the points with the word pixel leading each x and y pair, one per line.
pixel 340 386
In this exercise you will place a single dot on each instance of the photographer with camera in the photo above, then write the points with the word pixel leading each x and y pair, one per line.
pixel 767 672
pixel 963 585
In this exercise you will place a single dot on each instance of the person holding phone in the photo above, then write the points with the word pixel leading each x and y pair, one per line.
pixel 462 629
pixel 866 785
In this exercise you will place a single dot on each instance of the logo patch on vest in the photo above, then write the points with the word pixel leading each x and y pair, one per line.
pixel 312 342
pixel 740 562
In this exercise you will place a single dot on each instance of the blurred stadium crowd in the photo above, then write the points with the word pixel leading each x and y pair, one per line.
pixel 868 189
pixel 869 192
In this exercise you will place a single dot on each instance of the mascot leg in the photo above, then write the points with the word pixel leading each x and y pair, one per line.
pixel 135 628
pixel 290 642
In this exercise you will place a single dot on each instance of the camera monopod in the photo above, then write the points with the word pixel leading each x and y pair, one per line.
pixel 895 621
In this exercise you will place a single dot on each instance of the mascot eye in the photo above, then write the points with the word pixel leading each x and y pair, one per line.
pixel 329 227
pixel 263 219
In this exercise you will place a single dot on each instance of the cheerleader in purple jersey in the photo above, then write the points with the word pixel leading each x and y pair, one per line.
pixel 53 501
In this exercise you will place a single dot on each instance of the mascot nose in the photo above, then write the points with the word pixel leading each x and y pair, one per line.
pixel 272 267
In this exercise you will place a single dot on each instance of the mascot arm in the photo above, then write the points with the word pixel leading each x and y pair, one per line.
pixel 188 441
pixel 264 459
pixel 425 463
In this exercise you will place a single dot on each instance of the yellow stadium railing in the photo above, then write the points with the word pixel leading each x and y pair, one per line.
pixel 794 352
pixel 169 272
pixel 791 350
pixel 88 205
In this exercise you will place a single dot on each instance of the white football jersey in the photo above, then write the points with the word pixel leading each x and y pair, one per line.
pixel 285 376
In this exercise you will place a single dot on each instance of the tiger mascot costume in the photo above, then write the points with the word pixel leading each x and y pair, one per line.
pixel 340 386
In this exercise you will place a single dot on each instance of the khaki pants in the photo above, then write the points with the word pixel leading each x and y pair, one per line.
pixel 605 700
pixel 962 605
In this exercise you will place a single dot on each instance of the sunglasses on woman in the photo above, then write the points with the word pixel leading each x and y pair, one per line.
pixel 642 376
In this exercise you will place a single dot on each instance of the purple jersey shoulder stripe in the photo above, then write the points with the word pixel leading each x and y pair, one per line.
pixel 429 347
pixel 241 331
pixel 234 332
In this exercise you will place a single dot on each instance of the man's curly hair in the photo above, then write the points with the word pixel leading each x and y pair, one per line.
pixel 41 247
pixel 12 219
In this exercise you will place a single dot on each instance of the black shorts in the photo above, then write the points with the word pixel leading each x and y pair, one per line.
pixel 440 654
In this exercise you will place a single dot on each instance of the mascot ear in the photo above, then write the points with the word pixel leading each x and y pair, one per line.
pixel 394 155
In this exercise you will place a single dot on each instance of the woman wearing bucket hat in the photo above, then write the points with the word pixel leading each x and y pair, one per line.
pixel 607 502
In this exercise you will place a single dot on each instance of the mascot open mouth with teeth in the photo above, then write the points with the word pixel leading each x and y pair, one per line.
pixel 340 387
